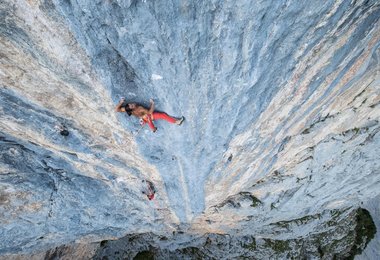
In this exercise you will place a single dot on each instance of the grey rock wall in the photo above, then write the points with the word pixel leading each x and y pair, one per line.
pixel 281 101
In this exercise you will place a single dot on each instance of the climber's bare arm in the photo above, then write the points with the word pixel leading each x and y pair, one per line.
pixel 118 106
pixel 151 109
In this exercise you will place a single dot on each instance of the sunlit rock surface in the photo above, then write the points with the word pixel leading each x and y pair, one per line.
pixel 278 156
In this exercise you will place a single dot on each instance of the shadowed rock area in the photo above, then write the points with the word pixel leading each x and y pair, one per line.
pixel 278 156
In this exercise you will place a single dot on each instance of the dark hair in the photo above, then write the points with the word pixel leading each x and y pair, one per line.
pixel 127 109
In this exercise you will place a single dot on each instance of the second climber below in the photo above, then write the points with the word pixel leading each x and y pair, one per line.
pixel 147 116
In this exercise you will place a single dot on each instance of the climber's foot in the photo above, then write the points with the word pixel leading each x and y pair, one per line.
pixel 179 121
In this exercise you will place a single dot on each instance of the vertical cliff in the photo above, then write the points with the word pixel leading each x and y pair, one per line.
pixel 278 155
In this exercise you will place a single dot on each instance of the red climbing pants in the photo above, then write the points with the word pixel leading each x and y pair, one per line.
pixel 158 116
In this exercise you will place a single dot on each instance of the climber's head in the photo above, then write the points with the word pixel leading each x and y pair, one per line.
pixel 131 105
pixel 128 108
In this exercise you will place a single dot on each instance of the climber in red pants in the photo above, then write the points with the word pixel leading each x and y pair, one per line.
pixel 146 115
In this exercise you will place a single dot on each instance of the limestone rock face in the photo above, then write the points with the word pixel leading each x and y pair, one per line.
pixel 278 155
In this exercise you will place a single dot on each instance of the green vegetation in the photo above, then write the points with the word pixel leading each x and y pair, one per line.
pixel 299 221
pixel 235 200
pixel 194 252
pixel 279 246
pixel 341 234
pixel 365 231
pixel 144 255
pixel 255 201
pixel 250 246
pixel 335 216
pixel 103 243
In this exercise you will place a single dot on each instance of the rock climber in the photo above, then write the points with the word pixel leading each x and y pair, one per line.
pixel 146 115
pixel 148 189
